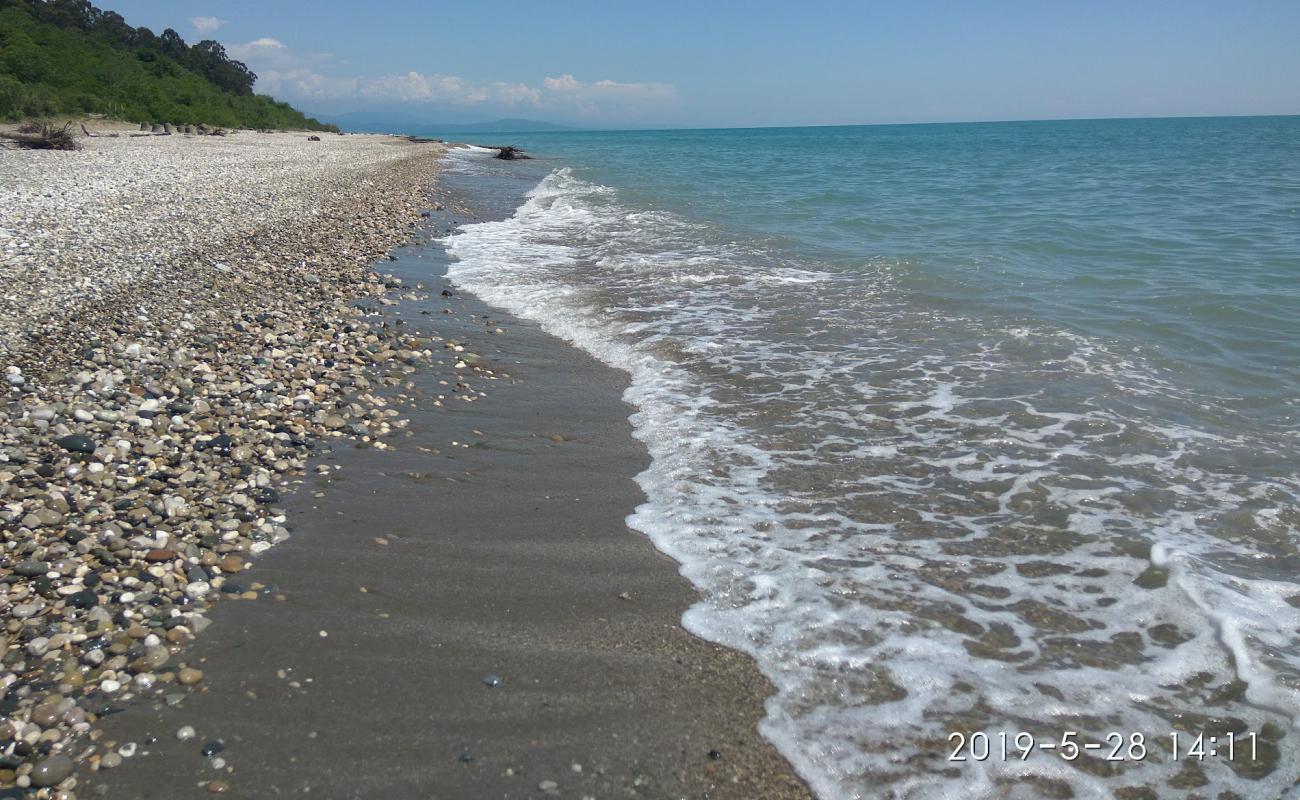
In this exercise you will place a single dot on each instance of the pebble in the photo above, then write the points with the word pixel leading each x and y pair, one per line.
pixel 186 733
pixel 147 434
pixel 189 676
pixel 52 770
pixel 492 681
pixel 76 444
pixel 218 787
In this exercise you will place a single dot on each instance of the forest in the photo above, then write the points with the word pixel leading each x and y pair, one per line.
pixel 67 57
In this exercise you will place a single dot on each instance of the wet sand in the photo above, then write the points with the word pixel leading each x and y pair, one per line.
pixel 506 559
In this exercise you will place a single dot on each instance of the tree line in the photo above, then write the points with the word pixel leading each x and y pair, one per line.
pixel 69 57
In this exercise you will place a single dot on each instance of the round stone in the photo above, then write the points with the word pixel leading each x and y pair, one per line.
pixel 186 733
pixel 189 676
pixel 51 771
pixel 76 443
pixel 83 599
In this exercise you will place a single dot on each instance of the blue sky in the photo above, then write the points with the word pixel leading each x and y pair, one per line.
pixel 706 64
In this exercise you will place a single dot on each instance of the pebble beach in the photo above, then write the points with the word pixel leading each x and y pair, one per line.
pixel 177 330
pixel 202 362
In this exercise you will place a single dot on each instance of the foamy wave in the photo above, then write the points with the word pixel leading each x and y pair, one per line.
pixel 918 523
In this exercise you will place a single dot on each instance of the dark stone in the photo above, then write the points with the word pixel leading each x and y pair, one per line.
pixel 220 443
pixel 83 599
pixel 232 588
pixel 212 748
pixel 714 755
pixel 52 771
pixel 76 443
pixel 511 153
pixel 32 568
pixel 46 470
pixel 264 495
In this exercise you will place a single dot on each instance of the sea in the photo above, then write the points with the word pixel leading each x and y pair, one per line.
pixel 982 439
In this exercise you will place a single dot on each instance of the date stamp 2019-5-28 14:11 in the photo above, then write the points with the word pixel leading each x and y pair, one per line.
pixel 1115 746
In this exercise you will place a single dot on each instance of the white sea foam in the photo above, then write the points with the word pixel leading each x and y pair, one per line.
pixel 917 523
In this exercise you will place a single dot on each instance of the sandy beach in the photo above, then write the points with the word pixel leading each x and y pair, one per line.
pixel 201 363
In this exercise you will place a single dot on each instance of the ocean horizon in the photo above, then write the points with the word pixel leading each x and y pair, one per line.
pixel 959 428
pixel 457 130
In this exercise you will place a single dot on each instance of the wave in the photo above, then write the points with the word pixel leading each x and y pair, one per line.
pixel 919 523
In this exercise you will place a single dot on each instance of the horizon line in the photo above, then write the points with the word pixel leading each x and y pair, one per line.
pixel 573 128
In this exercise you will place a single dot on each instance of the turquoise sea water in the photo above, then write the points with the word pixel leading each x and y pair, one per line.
pixel 981 428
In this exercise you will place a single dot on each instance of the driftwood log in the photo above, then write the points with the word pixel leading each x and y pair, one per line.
pixel 47 137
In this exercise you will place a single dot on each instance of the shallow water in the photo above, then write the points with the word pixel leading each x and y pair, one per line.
pixel 959 428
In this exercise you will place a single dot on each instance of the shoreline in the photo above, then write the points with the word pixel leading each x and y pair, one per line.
pixel 353 407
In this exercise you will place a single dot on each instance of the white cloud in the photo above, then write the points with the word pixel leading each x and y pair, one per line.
pixel 263 48
pixel 291 75
pixel 206 24
pixel 606 96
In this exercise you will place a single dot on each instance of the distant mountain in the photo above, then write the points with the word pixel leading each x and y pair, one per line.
pixel 398 122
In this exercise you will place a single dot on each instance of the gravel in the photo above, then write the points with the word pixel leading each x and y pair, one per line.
pixel 181 320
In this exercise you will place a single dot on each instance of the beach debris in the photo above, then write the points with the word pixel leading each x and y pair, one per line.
pixel 43 136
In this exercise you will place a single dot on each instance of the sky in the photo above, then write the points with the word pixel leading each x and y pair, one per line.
pixel 708 63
